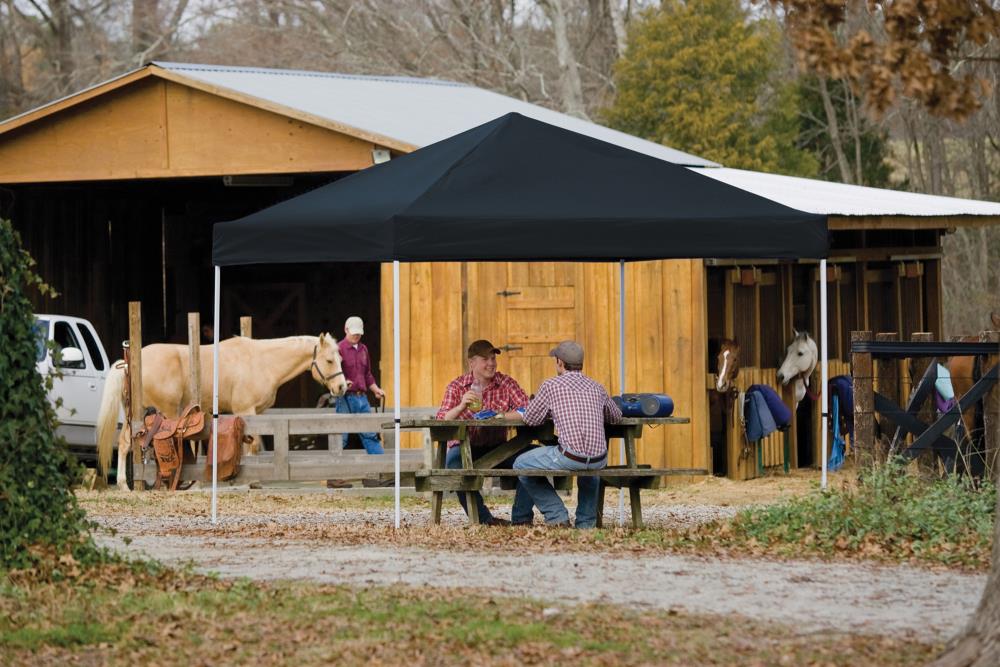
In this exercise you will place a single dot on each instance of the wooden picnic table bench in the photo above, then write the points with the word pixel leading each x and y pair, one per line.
pixel 437 479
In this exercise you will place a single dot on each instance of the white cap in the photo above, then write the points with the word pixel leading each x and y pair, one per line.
pixel 354 325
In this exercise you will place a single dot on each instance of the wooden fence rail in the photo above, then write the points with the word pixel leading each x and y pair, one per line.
pixel 282 464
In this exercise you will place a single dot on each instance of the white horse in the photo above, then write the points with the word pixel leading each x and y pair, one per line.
pixel 250 372
pixel 800 361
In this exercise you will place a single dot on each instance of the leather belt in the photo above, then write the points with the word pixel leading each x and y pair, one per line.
pixel 581 459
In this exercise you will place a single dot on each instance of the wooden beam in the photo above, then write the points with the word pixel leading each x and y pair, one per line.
pixel 864 402
pixel 135 376
pixel 194 357
pixel 868 222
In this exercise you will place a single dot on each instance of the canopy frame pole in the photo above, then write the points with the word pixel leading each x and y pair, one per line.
pixel 824 370
pixel 215 395
pixel 395 376
pixel 621 378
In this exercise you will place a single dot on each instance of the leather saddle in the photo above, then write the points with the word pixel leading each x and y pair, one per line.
pixel 166 436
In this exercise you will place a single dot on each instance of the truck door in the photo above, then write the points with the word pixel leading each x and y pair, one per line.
pixel 81 384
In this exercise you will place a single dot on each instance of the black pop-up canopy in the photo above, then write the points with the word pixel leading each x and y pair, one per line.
pixel 518 189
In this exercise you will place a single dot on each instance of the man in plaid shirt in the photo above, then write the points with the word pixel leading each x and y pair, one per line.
pixel 500 393
pixel 579 408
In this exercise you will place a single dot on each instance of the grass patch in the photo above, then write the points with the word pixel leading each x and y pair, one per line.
pixel 181 618
pixel 888 514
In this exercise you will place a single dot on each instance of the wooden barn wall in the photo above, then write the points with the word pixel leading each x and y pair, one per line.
pixel 525 308
pixel 159 129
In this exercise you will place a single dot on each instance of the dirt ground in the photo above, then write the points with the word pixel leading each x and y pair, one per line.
pixel 297 535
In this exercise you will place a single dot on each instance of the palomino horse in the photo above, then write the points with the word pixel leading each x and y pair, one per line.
pixel 962 371
pixel 727 365
pixel 250 372
pixel 800 361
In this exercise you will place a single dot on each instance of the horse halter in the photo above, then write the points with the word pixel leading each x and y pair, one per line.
pixel 315 367
pixel 804 377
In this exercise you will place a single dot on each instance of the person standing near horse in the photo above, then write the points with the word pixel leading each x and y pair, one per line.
pixel 358 371
pixel 484 388
pixel 579 408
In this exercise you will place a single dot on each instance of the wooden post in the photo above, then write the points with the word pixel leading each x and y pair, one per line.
pixel 991 411
pixel 246 326
pixel 135 390
pixel 887 378
pixel 864 401
pixel 926 412
pixel 194 357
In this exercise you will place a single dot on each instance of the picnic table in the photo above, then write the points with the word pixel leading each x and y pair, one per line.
pixel 437 479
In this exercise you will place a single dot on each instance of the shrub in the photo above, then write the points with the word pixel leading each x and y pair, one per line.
pixel 40 521
pixel 888 513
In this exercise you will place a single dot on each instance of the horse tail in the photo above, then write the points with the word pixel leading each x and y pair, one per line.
pixel 107 417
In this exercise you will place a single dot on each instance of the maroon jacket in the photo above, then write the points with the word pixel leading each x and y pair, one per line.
pixel 357 366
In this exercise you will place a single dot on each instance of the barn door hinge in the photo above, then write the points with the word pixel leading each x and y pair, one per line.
pixel 511 348
pixel 507 293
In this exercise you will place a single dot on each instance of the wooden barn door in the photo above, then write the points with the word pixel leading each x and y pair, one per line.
pixel 540 310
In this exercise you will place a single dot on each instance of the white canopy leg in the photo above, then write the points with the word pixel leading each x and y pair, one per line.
pixel 215 396
pixel 396 390
pixel 621 379
pixel 824 369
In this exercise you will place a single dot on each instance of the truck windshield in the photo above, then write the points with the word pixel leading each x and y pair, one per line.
pixel 41 338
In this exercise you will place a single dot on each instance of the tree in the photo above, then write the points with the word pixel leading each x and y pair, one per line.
pixel 703 77
pixel 39 516
pixel 850 148
pixel 915 49
pixel 921 52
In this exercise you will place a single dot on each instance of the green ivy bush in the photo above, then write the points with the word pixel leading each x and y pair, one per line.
pixel 41 523
pixel 890 512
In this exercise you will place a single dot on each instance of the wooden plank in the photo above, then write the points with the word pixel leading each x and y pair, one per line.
pixel 194 358
pixel 439 454
pixel 246 326
pixel 135 376
pixel 636 505
pixel 886 383
pixel 281 467
pixel 650 360
pixel 991 413
pixel 422 358
pixel 909 222
pixel 864 402
pixel 448 483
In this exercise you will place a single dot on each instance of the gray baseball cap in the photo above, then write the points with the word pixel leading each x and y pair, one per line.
pixel 569 351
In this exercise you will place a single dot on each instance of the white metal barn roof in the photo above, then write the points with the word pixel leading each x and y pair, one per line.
pixel 409 113
pixel 416 111
pixel 828 198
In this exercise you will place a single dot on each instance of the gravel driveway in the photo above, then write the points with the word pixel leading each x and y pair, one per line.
pixel 874 599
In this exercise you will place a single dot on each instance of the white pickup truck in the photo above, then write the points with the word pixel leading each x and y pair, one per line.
pixel 84 367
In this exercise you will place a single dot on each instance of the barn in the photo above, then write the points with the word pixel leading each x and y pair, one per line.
pixel 114 191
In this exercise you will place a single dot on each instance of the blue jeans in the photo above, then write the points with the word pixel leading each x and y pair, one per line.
pixel 453 459
pixel 538 492
pixel 358 404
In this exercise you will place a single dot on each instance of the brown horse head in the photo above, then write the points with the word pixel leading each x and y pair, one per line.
pixel 727 365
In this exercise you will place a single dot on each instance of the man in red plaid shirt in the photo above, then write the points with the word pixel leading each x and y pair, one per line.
pixel 500 393
pixel 579 407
